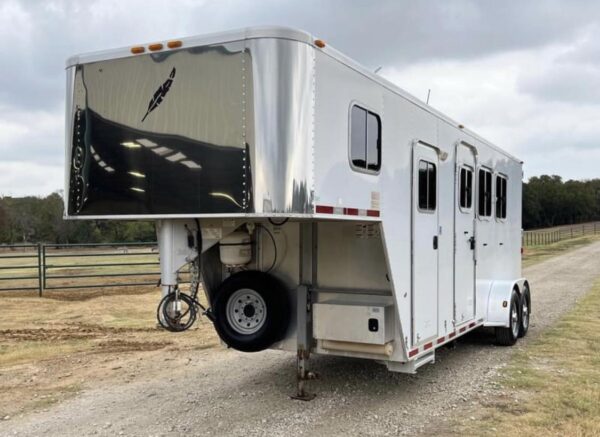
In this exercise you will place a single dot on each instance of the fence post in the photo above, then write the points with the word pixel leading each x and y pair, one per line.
pixel 40 273
pixel 43 266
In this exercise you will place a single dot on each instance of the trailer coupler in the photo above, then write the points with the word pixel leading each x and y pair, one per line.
pixel 303 375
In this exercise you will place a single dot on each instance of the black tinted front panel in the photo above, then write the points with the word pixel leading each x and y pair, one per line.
pixel 118 170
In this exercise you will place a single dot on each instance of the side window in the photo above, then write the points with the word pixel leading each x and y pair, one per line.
pixel 427 186
pixel 365 139
pixel 484 200
pixel 466 188
pixel 500 197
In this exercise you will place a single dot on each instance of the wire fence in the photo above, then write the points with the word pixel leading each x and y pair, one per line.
pixel 540 237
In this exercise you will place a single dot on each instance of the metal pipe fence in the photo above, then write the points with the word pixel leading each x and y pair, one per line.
pixel 540 237
pixel 28 258
pixel 40 267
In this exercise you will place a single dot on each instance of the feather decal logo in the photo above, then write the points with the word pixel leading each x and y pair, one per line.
pixel 160 94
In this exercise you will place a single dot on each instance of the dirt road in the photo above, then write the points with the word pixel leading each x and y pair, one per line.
pixel 221 392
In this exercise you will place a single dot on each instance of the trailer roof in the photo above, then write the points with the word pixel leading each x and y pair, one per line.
pixel 291 34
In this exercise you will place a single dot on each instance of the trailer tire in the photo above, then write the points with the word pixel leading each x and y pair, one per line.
pixel 525 311
pixel 508 336
pixel 251 311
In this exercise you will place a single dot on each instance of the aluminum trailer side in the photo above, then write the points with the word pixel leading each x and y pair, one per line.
pixel 333 212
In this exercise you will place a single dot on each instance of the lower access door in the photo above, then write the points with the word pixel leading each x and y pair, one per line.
pixel 464 228
pixel 425 242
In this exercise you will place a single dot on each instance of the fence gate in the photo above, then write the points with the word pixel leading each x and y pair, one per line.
pixel 27 267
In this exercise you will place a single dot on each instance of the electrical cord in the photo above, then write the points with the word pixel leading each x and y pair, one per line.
pixel 274 249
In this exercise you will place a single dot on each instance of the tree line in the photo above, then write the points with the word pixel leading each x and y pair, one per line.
pixel 547 201
pixel 40 219
pixel 550 201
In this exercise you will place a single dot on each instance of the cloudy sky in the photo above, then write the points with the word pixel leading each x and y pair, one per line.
pixel 524 74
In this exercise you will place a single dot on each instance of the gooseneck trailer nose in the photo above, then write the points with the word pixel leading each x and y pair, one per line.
pixel 325 210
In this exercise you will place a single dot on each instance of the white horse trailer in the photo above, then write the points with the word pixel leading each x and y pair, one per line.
pixel 328 211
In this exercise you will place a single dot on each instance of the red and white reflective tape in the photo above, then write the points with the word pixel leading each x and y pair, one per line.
pixel 445 338
pixel 338 210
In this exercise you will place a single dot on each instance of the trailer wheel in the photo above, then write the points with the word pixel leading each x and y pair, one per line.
pixel 508 336
pixel 525 312
pixel 251 311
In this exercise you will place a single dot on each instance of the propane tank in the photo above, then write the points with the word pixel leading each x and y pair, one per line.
pixel 236 249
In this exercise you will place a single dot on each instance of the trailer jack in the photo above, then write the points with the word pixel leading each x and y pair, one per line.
pixel 303 375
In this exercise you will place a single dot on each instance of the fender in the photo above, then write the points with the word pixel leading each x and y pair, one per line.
pixel 500 292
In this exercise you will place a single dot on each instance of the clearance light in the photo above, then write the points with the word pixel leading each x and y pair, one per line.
pixel 174 44
pixel 139 190
pixel 320 43
pixel 137 174
pixel 137 50
pixel 155 47
pixel 131 145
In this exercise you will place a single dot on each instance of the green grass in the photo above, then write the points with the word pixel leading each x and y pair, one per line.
pixel 556 380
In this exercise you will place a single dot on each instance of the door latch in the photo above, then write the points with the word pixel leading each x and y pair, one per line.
pixel 472 243
pixel 435 242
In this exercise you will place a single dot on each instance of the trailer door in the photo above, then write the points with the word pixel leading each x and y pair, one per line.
pixel 425 243
pixel 464 252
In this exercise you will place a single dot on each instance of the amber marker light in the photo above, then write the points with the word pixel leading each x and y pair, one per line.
pixel 137 50
pixel 320 43
pixel 174 44
pixel 155 47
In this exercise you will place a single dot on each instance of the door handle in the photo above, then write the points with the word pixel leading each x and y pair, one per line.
pixel 472 243
pixel 435 242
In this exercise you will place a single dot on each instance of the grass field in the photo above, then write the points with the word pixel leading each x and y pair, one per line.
pixel 554 383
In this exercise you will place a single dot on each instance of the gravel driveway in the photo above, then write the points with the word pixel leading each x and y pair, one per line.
pixel 222 392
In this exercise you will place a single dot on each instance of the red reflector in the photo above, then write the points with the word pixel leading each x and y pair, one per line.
pixel 452 334
pixel 428 345
pixel 440 340
pixel 351 211
pixel 413 352
pixel 471 324
pixel 372 213
pixel 324 209
pixel 463 329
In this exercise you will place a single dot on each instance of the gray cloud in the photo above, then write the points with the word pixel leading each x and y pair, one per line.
pixel 566 83
pixel 572 76
pixel 495 83
pixel 44 34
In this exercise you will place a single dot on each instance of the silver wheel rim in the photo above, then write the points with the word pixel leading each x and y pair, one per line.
pixel 514 319
pixel 525 314
pixel 246 311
